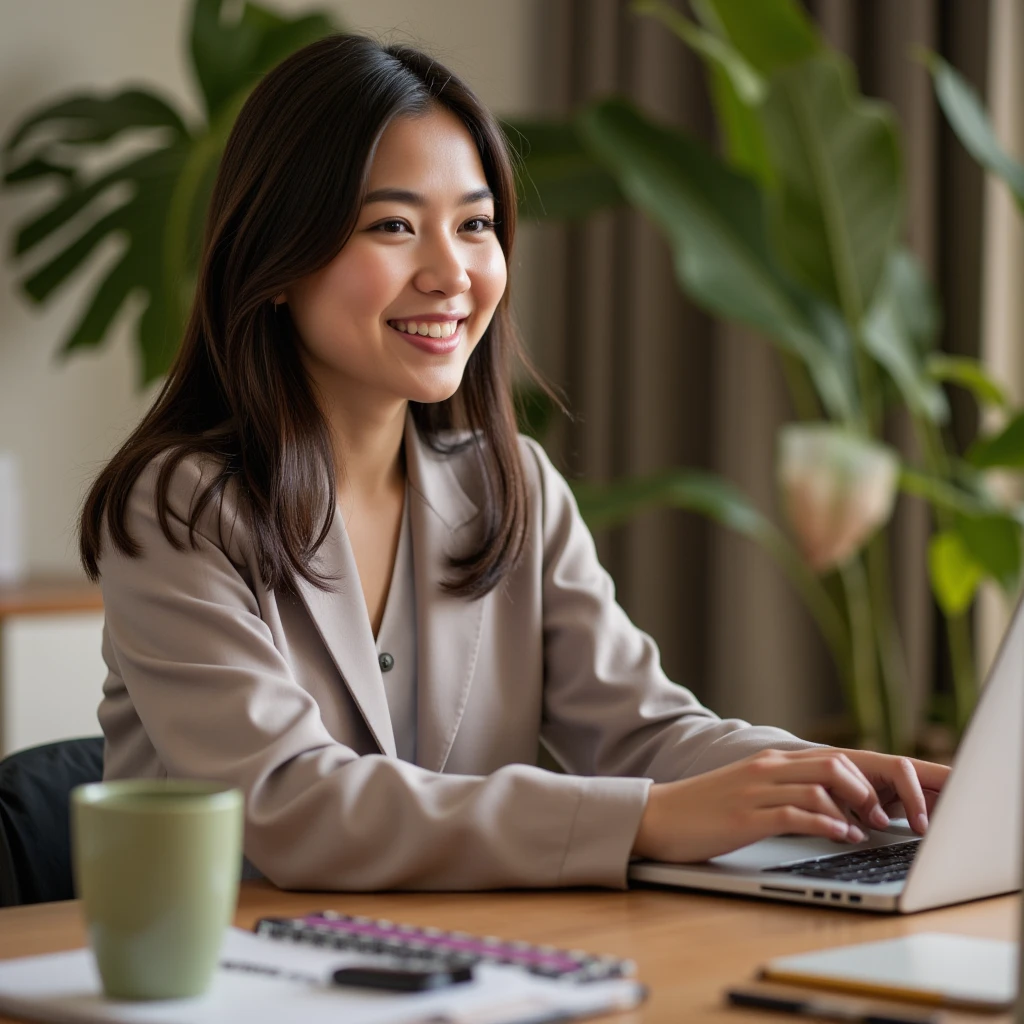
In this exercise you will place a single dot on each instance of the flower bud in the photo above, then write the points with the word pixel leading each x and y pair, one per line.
pixel 837 489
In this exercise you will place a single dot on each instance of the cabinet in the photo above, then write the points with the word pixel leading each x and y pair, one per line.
pixel 51 666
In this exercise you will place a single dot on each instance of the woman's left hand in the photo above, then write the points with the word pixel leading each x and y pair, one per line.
pixel 905 786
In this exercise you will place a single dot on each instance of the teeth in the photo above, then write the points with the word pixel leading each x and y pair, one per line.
pixel 432 330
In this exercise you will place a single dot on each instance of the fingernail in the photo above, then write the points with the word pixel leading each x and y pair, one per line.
pixel 854 834
pixel 878 817
pixel 921 822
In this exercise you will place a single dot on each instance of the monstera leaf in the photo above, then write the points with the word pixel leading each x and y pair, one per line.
pixel 154 201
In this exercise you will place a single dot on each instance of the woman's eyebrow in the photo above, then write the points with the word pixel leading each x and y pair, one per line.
pixel 401 195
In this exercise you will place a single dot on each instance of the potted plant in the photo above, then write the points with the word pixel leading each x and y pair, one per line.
pixel 794 231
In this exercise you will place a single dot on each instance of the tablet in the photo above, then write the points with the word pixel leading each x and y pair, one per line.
pixel 930 967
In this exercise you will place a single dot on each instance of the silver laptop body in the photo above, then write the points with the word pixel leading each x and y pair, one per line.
pixel 973 845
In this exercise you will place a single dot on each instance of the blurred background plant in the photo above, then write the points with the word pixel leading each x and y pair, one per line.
pixel 795 231
pixel 154 198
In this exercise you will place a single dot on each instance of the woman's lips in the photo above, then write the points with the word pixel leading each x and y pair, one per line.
pixel 436 346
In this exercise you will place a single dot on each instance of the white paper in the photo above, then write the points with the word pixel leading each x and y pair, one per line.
pixel 65 987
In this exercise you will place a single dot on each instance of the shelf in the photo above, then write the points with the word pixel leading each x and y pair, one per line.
pixel 49 595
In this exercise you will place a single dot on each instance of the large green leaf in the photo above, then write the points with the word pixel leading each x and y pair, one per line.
pixel 745 80
pixel 557 177
pixel 968 373
pixel 770 34
pixel 968 119
pixel 154 202
pixel 1004 449
pixel 231 53
pixel 945 495
pixel 900 329
pixel 954 572
pixel 605 505
pixel 708 495
pixel 736 88
pixel 89 119
pixel 994 543
pixel 836 213
pixel 714 220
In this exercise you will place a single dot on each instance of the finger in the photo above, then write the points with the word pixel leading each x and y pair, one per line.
pixel 790 820
pixel 895 807
pixel 805 795
pixel 931 775
pixel 901 774
pixel 846 782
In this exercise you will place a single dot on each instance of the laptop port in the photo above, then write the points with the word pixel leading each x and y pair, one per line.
pixel 853 898
pixel 836 895
pixel 818 895
pixel 782 888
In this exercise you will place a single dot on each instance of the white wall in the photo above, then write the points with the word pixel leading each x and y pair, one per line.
pixel 62 419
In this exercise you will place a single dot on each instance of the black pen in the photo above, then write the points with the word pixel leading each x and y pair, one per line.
pixel 828 1009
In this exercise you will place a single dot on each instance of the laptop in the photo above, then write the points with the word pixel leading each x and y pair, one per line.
pixel 972 848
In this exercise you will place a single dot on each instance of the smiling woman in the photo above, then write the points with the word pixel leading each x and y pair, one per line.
pixel 334 576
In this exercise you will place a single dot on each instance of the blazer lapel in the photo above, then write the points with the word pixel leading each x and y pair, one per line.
pixel 344 625
pixel 448 627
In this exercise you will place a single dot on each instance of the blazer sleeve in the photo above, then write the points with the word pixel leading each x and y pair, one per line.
pixel 218 700
pixel 609 709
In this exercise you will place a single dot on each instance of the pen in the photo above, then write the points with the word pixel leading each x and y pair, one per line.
pixel 825 1008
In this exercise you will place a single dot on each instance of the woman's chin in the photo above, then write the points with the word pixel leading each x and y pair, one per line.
pixel 438 389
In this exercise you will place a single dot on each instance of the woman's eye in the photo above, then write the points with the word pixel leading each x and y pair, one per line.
pixel 391 227
pixel 476 225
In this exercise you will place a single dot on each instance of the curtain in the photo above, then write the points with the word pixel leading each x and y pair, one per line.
pixel 1002 315
pixel 652 382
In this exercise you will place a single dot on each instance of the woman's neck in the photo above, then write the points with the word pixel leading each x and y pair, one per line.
pixel 368 446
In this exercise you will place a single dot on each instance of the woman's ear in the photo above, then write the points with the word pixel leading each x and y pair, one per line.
pixel 280 299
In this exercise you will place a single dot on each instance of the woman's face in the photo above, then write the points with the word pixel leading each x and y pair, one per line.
pixel 397 313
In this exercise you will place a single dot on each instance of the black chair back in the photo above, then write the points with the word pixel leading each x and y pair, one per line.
pixel 35 835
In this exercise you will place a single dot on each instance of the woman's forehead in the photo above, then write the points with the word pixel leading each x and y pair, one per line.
pixel 431 154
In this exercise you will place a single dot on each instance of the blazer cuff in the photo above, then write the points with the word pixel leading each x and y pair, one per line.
pixel 603 832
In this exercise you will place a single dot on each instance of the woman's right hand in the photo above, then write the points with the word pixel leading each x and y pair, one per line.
pixel 806 792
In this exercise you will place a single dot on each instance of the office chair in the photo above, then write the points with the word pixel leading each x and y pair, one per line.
pixel 35 837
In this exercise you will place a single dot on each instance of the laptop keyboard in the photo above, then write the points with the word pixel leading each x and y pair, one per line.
pixel 871 867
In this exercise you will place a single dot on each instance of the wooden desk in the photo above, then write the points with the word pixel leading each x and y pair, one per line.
pixel 688 948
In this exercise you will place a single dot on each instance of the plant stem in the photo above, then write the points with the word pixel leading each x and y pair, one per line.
pixel 895 678
pixel 816 599
pixel 865 700
pixel 961 654
pixel 958 634
pixel 801 391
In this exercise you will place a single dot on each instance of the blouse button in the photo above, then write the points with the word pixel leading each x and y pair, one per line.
pixel 386 662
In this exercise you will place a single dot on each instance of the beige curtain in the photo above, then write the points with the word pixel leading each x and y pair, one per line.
pixel 1002 315
pixel 653 382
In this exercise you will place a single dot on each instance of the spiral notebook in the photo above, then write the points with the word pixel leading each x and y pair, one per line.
pixel 331 930
pixel 263 981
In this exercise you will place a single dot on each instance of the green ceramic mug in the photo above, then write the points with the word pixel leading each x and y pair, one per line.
pixel 157 865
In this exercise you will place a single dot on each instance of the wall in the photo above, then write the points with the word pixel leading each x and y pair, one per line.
pixel 63 418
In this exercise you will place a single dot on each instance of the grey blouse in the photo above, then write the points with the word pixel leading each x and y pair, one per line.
pixel 396 647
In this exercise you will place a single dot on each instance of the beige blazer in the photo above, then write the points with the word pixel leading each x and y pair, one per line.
pixel 212 675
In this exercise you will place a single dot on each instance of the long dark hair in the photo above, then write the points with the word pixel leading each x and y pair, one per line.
pixel 286 199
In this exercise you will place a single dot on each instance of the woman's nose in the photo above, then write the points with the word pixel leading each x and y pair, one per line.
pixel 442 269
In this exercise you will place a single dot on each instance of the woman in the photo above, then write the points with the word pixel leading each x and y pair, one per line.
pixel 335 577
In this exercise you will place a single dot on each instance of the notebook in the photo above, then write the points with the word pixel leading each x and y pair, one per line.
pixel 930 967
pixel 262 980
pixel 455 949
